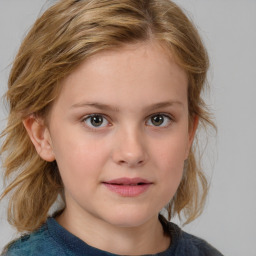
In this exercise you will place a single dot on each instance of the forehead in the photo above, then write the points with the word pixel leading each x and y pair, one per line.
pixel 151 57
pixel 142 70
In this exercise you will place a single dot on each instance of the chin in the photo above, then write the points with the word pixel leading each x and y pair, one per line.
pixel 130 219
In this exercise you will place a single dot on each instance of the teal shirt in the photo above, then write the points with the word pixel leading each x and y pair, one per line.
pixel 53 239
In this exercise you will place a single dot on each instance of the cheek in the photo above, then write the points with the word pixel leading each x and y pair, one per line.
pixel 80 160
pixel 168 158
pixel 171 151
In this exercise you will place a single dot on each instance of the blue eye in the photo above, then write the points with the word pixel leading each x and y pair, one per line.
pixel 159 120
pixel 96 121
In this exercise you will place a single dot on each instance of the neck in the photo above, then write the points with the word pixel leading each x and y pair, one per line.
pixel 147 238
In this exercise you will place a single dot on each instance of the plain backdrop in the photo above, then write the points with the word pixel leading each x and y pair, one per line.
pixel 228 28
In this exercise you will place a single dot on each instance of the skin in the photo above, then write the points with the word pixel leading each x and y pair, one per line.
pixel 127 87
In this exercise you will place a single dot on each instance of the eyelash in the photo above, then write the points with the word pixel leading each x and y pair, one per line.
pixel 167 118
pixel 88 117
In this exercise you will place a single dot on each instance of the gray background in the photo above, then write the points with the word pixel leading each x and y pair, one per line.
pixel 228 28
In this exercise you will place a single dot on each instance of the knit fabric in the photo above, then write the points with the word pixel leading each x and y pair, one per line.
pixel 53 239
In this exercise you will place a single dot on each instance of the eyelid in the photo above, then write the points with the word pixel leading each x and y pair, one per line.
pixel 84 118
pixel 108 119
pixel 167 115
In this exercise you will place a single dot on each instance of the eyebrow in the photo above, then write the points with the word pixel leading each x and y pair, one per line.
pixel 106 107
pixel 100 106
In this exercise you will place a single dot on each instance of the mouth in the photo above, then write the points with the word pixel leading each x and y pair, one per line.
pixel 128 187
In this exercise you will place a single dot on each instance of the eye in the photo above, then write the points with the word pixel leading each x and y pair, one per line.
pixel 96 121
pixel 159 120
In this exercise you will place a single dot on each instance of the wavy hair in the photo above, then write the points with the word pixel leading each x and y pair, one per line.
pixel 60 40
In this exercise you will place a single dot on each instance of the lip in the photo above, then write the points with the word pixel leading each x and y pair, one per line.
pixel 128 187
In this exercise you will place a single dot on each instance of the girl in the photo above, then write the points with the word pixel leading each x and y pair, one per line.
pixel 105 102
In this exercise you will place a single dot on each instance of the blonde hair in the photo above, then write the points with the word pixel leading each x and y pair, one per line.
pixel 62 38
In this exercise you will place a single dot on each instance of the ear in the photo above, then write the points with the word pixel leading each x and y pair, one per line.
pixel 40 137
pixel 192 131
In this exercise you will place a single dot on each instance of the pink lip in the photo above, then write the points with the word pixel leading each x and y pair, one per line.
pixel 128 187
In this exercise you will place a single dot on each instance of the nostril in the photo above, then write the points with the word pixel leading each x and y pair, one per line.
pixel 131 163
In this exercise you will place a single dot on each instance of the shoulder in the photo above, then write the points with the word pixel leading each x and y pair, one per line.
pixel 187 244
pixel 37 243
pixel 197 245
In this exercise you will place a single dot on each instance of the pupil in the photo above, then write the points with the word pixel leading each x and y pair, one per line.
pixel 96 120
pixel 157 120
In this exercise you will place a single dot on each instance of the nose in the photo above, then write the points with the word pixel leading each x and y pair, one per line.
pixel 130 149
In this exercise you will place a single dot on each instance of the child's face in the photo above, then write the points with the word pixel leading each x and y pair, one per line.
pixel 119 132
